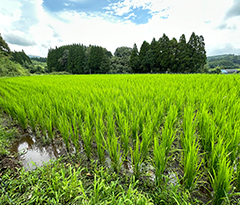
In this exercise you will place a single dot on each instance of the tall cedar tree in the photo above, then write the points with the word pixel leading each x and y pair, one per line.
pixel 134 60
pixel 105 64
pixel 197 52
pixel 144 68
pixel 95 59
pixel 164 53
pixel 154 47
pixel 76 59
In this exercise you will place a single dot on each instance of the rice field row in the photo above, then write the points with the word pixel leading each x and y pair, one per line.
pixel 187 124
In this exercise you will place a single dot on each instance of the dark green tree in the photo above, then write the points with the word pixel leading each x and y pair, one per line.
pixel 163 60
pixel 183 58
pixel 4 48
pixel 95 59
pixel 144 62
pixel 173 60
pixel 134 60
pixel 154 46
pixel 120 60
pixel 105 64
pixel 197 53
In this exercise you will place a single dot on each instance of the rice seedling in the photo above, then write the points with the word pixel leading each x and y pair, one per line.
pixel 64 130
pixel 136 157
pixel 237 180
pixel 191 161
pixel 114 150
pixel 221 179
pixel 99 138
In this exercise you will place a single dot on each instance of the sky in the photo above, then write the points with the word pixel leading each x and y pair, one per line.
pixel 37 25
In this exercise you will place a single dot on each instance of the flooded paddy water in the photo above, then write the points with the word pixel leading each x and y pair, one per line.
pixel 32 154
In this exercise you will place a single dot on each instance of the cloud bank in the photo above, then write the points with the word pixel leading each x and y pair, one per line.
pixel 36 25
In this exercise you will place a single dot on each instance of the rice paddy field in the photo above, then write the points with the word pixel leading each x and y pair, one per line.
pixel 176 136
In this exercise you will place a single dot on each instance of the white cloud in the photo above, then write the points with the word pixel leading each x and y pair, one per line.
pixel 66 27
pixel 19 38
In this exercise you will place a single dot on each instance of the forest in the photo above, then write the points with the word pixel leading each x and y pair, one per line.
pixel 159 56
pixel 229 61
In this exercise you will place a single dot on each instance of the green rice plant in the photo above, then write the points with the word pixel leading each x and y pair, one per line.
pixel 140 151
pixel 21 114
pixel 33 117
pixel 163 145
pixel 232 140
pixel 136 157
pixel 74 131
pixel 159 160
pixel 191 162
pixel 49 127
pixel 207 133
pixel 237 180
pixel 63 127
pixel 99 138
pixel 213 161
pixel 87 138
pixel 125 139
pixel 222 179
pixel 123 126
pixel 192 166
pixel 114 150
pixel 146 142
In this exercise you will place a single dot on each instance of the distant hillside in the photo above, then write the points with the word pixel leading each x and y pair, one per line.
pixel 39 59
pixel 228 61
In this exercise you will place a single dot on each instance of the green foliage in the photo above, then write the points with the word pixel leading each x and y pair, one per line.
pixel 134 60
pixel 224 61
pixel 216 70
pixel 120 61
pixel 63 183
pixel 39 59
pixel 145 55
pixel 21 58
pixel 9 68
pixel 78 59
pixel 167 55
pixel 5 136
pixel 4 48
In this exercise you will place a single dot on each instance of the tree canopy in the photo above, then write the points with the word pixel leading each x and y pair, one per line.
pixel 159 56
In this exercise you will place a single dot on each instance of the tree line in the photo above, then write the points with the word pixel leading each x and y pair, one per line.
pixel 163 55
pixel 79 59
pixel 229 61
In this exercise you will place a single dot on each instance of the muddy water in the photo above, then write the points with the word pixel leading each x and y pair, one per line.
pixel 29 151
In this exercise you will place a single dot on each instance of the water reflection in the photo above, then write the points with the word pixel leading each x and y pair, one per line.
pixel 31 152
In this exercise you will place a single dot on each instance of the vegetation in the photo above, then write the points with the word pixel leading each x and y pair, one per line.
pixel 160 56
pixel 163 139
pixel 224 61
pixel 7 66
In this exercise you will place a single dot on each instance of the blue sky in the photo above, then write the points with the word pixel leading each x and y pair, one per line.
pixel 37 25
pixel 115 9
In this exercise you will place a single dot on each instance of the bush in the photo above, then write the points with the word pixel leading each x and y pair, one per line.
pixel 9 68
pixel 216 70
